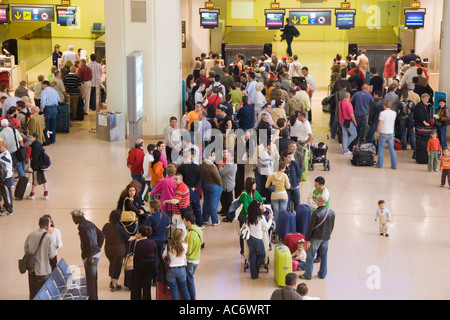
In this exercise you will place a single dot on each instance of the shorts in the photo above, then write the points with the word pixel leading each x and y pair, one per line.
pixel 39 178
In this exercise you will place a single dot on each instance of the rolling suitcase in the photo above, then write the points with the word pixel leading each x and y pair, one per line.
pixel 421 153
pixel 282 264
pixel 285 224
pixel 163 291
pixel 80 110
pixel 302 217
pixel 21 187
pixel 291 240
pixel 63 119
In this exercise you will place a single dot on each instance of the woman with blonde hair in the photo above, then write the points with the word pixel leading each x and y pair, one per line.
pixel 175 258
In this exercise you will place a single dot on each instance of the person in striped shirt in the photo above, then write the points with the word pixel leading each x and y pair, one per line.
pixel 96 81
pixel 180 201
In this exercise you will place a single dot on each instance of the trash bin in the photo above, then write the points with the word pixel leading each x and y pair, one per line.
pixel 110 127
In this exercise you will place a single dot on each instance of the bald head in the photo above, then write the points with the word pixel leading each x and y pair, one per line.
pixel 321 200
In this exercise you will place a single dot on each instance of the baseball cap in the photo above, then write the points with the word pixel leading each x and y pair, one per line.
pixel 5 123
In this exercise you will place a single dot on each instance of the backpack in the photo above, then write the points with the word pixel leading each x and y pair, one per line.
pixel 45 162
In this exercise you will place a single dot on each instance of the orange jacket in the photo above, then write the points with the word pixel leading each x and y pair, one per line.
pixel 433 144
pixel 445 162
pixel 157 172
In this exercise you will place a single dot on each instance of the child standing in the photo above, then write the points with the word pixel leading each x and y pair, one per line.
pixel 384 216
pixel 300 254
pixel 433 148
pixel 445 167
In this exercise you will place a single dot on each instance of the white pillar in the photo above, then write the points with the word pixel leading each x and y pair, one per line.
pixel 444 77
pixel 158 36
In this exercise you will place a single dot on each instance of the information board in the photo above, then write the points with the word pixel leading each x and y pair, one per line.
pixel 209 19
pixel 345 19
pixel 30 13
pixel 4 15
pixel 310 17
pixel 274 20
pixel 66 16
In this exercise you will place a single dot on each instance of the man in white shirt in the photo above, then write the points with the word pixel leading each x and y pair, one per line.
pixel 148 158
pixel 295 68
pixel 96 80
pixel 305 134
pixel 363 62
pixel 68 55
pixel 8 182
pixel 385 133
pixel 198 97
pixel 13 141
pixel 173 139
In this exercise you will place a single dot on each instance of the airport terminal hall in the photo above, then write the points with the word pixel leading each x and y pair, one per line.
pixel 224 150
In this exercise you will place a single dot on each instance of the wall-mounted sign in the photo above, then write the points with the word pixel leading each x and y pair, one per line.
pixel 345 19
pixel 274 20
pixel 66 16
pixel 275 5
pixel 345 5
pixel 415 5
pixel 4 15
pixel 209 5
pixel 30 13
pixel 65 2
pixel 310 17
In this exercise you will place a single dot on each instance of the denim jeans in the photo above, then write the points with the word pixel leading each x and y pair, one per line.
pixel 348 136
pixel 405 131
pixel 90 270
pixel 278 205
pixel 322 246
pixel 361 120
pixel 293 196
pixel 50 113
pixel 211 194
pixel 334 125
pixel 190 271
pixel 257 254
pixel 389 138
pixel 176 279
pixel 442 136
pixel 195 203
pixel 372 130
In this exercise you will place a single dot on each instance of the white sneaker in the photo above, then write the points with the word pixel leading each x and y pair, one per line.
pixel 30 197
pixel 216 224
pixel 44 198
pixel 348 153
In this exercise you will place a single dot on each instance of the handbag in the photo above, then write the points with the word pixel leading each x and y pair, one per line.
pixel 21 153
pixel 29 259
pixel 128 261
pixel 128 218
pixel 245 231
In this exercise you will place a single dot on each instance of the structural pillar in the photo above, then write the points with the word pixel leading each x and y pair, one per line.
pixel 153 27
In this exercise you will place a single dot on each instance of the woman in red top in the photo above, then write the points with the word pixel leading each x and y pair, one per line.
pixel 348 123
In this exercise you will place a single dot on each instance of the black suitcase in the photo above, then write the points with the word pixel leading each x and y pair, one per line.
pixel 63 119
pixel 21 187
pixel 363 158
pixel 421 153
pixel 80 110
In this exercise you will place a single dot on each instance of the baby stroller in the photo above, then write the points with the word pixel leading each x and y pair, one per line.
pixel 267 235
pixel 318 153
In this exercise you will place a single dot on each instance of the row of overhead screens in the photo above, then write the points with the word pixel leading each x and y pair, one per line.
pixel 62 15
pixel 345 16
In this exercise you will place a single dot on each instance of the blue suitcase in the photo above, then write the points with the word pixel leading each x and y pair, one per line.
pixel 302 217
pixel 285 224
pixel 63 119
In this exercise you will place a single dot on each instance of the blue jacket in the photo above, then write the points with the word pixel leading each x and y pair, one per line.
pixel 294 173
pixel 91 239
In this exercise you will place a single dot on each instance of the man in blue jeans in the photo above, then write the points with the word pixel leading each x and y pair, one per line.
pixel 362 100
pixel 194 239
pixel 49 105
pixel 318 235
pixel 385 133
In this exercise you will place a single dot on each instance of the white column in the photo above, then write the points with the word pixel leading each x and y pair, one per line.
pixel 444 81
pixel 159 38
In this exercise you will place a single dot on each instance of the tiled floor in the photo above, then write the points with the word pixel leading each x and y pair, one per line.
pixel 411 264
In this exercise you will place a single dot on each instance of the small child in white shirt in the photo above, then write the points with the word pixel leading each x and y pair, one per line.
pixel 300 254
pixel 384 216
pixel 302 289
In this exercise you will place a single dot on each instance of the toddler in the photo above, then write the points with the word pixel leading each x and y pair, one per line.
pixel 302 289
pixel 300 254
pixel 433 148
pixel 445 167
pixel 384 216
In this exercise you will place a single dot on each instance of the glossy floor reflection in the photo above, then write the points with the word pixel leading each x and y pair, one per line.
pixel 412 264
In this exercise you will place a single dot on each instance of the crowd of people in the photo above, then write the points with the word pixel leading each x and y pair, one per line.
pixel 254 116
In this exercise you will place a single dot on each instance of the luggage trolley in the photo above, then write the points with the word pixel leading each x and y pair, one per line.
pixel 318 153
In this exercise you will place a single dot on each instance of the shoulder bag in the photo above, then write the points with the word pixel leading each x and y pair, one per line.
pixel 128 261
pixel 347 122
pixel 128 218
pixel 21 153
pixel 325 218
pixel 29 259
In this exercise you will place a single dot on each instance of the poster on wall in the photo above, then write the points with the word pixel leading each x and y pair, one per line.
pixel 32 13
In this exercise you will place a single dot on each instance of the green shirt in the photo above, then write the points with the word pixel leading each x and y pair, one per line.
pixel 236 97
pixel 194 239
pixel 246 199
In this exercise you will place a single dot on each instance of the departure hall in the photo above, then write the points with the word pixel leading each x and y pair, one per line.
pixel 340 108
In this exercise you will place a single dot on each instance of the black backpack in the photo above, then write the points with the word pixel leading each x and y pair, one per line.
pixel 3 171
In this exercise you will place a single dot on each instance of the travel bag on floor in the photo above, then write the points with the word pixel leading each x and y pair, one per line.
pixel 302 216
pixel 282 264
pixel 63 119
pixel 21 187
pixel 421 153
pixel 285 224
pixel 291 240
pixel 363 158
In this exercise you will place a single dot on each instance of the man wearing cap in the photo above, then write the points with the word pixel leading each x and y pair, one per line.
pixel 13 141
pixel 49 105
pixel 91 239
